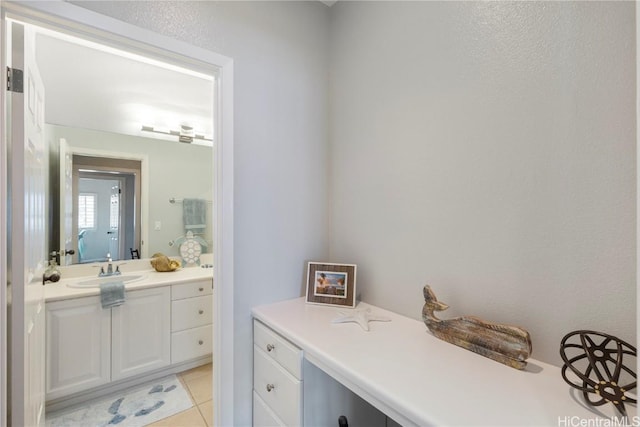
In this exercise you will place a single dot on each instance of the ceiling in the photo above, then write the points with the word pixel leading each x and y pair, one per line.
pixel 112 91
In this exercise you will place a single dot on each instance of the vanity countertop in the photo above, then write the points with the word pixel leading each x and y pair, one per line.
pixel 419 380
pixel 60 290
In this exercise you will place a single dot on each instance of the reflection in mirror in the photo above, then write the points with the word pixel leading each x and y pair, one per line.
pixel 106 103
pixel 132 180
pixel 106 208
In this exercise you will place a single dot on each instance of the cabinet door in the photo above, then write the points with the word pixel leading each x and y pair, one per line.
pixel 263 416
pixel 78 346
pixel 141 332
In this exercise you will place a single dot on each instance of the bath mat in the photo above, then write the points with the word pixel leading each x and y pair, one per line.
pixel 134 407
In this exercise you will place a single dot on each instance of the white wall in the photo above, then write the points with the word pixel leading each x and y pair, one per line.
pixel 281 108
pixel 488 149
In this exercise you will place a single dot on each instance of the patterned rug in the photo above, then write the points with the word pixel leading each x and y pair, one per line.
pixel 134 407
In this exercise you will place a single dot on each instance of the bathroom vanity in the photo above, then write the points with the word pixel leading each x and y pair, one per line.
pixel 398 372
pixel 164 326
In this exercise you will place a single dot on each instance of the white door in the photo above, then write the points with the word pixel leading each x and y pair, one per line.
pixel 66 205
pixel 99 216
pixel 27 255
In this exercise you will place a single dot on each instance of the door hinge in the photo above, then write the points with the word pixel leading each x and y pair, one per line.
pixel 15 80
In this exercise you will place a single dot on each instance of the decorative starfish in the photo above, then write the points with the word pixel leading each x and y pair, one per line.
pixel 362 317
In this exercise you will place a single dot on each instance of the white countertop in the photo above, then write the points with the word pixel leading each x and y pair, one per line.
pixel 418 379
pixel 60 290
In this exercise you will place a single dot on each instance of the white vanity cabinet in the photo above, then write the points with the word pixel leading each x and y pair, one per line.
pixel 277 379
pixel 289 391
pixel 399 369
pixel 88 346
pixel 191 320
pixel 78 349
pixel 140 333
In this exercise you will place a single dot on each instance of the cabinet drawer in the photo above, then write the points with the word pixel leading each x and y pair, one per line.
pixel 191 343
pixel 280 390
pixel 263 416
pixel 192 289
pixel 278 348
pixel 191 312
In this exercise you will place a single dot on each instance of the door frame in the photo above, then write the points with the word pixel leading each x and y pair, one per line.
pixel 141 190
pixel 67 18
pixel 4 132
pixel 121 179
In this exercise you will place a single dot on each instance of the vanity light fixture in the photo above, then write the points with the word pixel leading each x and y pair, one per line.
pixel 186 133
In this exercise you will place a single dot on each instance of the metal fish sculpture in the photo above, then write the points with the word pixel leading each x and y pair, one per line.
pixel 506 344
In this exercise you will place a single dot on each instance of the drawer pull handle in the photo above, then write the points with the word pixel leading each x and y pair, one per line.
pixel 270 387
pixel 270 347
pixel 200 311
pixel 201 289
pixel 200 342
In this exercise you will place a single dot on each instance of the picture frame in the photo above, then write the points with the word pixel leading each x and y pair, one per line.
pixel 331 284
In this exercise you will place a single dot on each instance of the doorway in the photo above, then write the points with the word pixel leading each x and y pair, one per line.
pixel 73 19
pixel 106 208
pixel 99 232
pixel 99 119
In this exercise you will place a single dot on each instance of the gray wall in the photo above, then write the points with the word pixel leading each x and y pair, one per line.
pixel 488 149
pixel 485 148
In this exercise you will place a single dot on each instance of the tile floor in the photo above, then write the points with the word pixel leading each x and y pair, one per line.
pixel 198 382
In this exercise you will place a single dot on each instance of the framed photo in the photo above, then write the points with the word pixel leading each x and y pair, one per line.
pixel 331 284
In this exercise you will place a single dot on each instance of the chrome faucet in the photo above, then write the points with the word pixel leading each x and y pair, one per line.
pixel 110 271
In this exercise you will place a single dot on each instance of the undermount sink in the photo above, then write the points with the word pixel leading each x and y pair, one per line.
pixel 95 283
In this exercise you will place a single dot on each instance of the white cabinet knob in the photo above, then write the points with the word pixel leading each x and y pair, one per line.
pixel 270 347
pixel 270 387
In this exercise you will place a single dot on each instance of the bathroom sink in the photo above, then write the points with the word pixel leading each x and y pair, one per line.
pixel 95 283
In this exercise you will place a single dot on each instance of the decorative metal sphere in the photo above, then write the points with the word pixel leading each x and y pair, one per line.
pixel 599 362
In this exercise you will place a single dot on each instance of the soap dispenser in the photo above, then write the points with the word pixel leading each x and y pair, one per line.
pixel 51 273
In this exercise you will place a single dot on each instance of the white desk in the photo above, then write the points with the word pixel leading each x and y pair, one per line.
pixel 419 380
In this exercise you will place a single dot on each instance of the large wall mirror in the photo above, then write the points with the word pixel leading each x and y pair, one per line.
pixel 130 146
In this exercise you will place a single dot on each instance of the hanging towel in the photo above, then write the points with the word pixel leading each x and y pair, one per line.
pixel 194 215
pixel 112 293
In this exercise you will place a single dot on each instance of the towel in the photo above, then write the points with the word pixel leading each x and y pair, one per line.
pixel 194 215
pixel 112 294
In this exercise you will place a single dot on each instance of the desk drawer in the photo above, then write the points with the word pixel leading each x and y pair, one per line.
pixel 278 349
pixel 263 416
pixel 192 343
pixel 191 312
pixel 277 388
pixel 192 289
